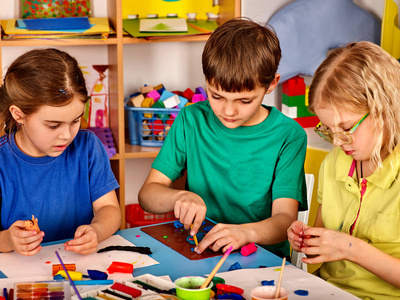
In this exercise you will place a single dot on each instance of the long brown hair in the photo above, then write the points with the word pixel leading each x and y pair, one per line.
pixel 40 77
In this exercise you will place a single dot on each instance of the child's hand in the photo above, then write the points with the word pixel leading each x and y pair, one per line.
pixel 85 240
pixel 25 242
pixel 190 208
pixel 223 236
pixel 296 235
pixel 323 245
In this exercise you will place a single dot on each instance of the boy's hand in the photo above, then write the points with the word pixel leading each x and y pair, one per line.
pixel 190 208
pixel 85 240
pixel 223 236
pixel 296 235
pixel 25 242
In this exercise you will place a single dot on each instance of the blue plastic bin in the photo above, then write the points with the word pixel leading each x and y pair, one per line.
pixel 149 126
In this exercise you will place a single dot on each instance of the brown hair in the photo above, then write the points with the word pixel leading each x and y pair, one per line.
pixel 241 55
pixel 40 77
pixel 362 77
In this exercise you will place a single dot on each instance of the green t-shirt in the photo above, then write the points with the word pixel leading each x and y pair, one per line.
pixel 237 172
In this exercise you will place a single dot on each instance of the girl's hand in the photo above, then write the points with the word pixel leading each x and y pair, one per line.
pixel 296 235
pixel 25 242
pixel 326 245
pixel 190 208
pixel 85 240
pixel 223 236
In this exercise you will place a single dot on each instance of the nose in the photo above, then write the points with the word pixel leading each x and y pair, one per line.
pixel 65 133
pixel 230 109
pixel 336 142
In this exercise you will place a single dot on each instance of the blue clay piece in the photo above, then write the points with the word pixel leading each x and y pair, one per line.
pixel 97 275
pixel 301 292
pixel 204 223
pixel 235 266
pixel 200 237
pixel 178 224
pixel 268 282
pixel 207 228
pixel 58 277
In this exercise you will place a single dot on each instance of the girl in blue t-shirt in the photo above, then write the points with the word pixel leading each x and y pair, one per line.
pixel 50 168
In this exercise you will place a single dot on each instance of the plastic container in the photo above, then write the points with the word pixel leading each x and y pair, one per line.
pixel 149 126
pixel 188 288
pixel 135 216
pixel 268 292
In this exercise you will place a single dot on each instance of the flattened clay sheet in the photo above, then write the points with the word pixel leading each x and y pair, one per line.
pixel 177 239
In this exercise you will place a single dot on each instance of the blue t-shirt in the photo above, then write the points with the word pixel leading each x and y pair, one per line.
pixel 59 191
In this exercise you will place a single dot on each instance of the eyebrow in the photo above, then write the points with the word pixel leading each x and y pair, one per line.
pixel 60 122
pixel 243 98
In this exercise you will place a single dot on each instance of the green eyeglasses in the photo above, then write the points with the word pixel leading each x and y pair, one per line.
pixel 343 137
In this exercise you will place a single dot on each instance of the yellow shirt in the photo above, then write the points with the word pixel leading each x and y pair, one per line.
pixel 378 222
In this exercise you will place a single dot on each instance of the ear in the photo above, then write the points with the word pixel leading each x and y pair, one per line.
pixel 17 114
pixel 274 83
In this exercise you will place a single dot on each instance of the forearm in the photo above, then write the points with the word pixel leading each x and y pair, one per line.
pixel 5 242
pixel 382 265
pixel 270 231
pixel 106 221
pixel 158 198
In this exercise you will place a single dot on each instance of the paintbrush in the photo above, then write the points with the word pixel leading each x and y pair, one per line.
pixel 278 289
pixel 69 277
pixel 216 268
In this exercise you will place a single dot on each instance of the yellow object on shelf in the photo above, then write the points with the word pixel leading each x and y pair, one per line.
pixel 390 32
pixel 163 7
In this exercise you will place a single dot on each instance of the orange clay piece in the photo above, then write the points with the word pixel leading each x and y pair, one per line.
pixel 32 224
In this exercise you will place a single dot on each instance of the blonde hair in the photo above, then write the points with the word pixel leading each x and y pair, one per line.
pixel 362 77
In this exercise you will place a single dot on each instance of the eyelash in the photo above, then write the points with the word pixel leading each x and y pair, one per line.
pixel 218 98
pixel 58 125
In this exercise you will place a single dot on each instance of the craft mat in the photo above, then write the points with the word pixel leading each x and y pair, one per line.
pixel 14 265
pixel 293 279
pixel 176 239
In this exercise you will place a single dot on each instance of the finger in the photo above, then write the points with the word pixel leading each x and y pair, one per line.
pixel 313 231
pixel 200 217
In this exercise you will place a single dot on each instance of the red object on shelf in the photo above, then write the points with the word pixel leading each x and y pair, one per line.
pixel 135 216
pixel 306 122
pixel 294 86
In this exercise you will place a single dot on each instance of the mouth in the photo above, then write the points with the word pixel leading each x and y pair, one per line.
pixel 61 147
pixel 229 120
pixel 349 152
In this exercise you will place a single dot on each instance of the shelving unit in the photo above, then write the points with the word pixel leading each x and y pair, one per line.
pixel 115 50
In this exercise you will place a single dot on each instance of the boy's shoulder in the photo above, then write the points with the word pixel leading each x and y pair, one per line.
pixel 286 122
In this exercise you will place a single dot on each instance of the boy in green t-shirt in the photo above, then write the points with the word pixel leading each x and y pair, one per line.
pixel 243 160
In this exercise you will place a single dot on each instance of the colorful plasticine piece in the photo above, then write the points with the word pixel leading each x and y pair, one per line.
pixel 248 249
pixel 120 267
pixel 32 224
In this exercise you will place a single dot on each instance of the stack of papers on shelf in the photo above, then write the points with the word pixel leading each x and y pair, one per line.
pixel 145 27
pixel 163 25
pixel 81 27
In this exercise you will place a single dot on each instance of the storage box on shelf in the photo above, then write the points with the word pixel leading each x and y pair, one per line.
pixel 149 126
pixel 136 216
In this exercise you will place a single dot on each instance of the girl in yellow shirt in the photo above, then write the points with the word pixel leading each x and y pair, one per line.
pixel 356 95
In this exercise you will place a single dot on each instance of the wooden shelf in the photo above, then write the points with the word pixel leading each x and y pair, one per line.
pixel 183 38
pixel 135 151
pixel 57 42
